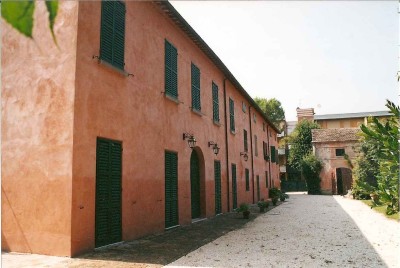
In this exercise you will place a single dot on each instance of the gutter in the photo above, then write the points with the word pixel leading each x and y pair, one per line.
pixel 226 148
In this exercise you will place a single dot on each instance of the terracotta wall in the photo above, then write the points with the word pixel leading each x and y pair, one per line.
pixel 135 111
pixel 327 153
pixel 37 123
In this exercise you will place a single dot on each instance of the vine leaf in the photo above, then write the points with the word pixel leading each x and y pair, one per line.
pixel 52 8
pixel 19 14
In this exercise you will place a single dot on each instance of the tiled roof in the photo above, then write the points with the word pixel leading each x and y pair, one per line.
pixel 350 115
pixel 335 134
pixel 174 15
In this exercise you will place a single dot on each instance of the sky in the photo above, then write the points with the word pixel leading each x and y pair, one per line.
pixel 333 56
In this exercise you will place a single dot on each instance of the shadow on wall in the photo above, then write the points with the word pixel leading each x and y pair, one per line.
pixel 12 219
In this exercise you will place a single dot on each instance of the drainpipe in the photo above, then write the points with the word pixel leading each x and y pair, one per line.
pixel 251 152
pixel 226 147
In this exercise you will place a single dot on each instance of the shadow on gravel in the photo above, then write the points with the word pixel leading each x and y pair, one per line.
pixel 170 245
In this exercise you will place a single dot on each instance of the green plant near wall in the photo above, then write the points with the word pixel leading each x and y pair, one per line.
pixel 311 166
pixel 19 14
pixel 386 137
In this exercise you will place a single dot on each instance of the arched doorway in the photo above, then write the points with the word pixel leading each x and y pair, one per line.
pixel 344 180
pixel 197 187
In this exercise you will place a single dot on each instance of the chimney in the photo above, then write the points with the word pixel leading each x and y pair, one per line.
pixel 307 113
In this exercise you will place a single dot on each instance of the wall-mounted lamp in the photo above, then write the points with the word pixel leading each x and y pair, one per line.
pixel 215 147
pixel 245 155
pixel 190 139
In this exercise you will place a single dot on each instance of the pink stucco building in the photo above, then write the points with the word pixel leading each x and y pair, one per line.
pixel 96 132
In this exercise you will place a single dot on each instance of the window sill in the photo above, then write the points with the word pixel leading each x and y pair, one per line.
pixel 197 112
pixel 172 98
pixel 217 123
pixel 233 132
pixel 118 70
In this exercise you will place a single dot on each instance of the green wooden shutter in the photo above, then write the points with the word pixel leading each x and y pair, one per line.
pixel 196 104
pixel 246 148
pixel 232 114
pixel 108 192
pixel 266 179
pixel 171 70
pixel 215 102
pixel 247 174
pixel 195 185
pixel 217 175
pixel 112 33
pixel 255 145
pixel 234 186
pixel 258 188
pixel 273 155
pixel 171 189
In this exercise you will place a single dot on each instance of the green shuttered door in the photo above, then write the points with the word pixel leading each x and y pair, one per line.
pixel 234 186
pixel 258 188
pixel 195 185
pixel 108 192
pixel 171 189
pixel 217 175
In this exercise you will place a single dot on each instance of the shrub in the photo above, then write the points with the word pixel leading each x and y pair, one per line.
pixel 311 167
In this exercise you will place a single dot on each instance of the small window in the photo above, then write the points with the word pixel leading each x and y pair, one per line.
pixel 340 152
pixel 264 126
pixel 244 107
pixel 266 179
pixel 254 118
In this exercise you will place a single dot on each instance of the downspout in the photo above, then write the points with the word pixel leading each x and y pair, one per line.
pixel 269 161
pixel 226 148
pixel 252 159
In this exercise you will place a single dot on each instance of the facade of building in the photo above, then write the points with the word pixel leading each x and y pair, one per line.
pixel 97 133
pixel 336 145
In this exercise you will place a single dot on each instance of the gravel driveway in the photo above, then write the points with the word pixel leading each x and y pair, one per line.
pixel 306 231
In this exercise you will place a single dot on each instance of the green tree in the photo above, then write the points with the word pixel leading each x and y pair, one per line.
pixel 300 142
pixel 272 109
pixel 19 14
pixel 385 136
pixel 311 166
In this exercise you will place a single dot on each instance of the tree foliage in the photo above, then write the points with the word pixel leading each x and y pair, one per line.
pixel 300 142
pixel 311 166
pixel 19 14
pixel 385 137
pixel 272 108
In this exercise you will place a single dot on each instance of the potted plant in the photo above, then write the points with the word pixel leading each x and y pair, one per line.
pixel 283 196
pixel 245 209
pixel 262 205
pixel 275 200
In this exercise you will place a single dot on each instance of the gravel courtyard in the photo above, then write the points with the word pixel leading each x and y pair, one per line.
pixel 306 231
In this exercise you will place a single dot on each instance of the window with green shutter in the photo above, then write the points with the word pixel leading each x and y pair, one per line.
pixel 215 100
pixel 171 189
pixel 232 114
pixel 171 70
pixel 245 140
pixel 255 145
pixel 112 33
pixel 247 173
pixel 273 154
pixel 196 104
